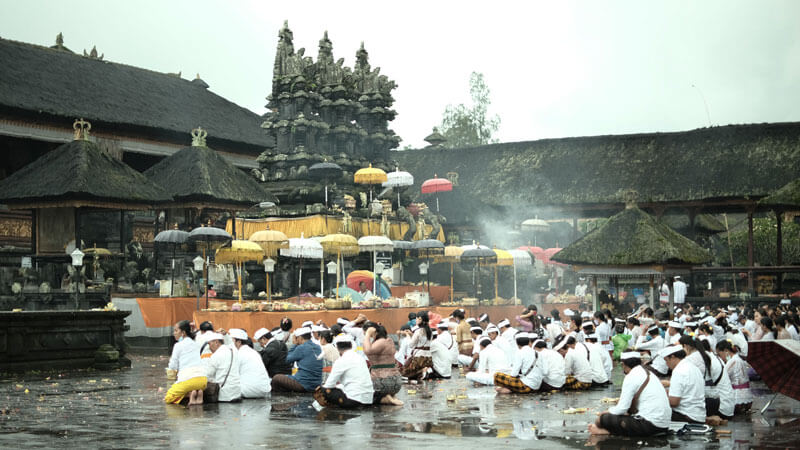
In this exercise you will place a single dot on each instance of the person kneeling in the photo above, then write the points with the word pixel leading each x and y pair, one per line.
pixel 349 385
pixel 524 377
pixel 491 360
pixel 576 362
pixel 643 407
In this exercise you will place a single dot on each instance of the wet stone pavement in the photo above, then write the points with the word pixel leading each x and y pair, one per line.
pixel 124 409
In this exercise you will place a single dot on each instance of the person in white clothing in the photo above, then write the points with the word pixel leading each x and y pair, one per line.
pixel 737 372
pixel 679 288
pixel 253 375
pixel 470 361
pixel 491 360
pixel 599 360
pixel 525 377
pixel 652 342
pixel 603 330
pixel 187 366
pixel 634 329
pixel 643 407
pixel 576 363
pixel 349 385
pixel 445 337
pixel 223 368
pixel 441 353
pixel 686 387
pixel 663 293
pixel 674 330
pixel 551 364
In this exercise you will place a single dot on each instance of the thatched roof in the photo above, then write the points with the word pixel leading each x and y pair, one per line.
pixel 62 85
pixel 632 237
pixel 78 173
pixel 711 164
pixel 703 223
pixel 198 176
pixel 785 197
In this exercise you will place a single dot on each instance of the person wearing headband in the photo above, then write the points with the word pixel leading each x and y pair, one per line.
pixel 349 385
pixel 599 360
pixel 524 376
pixel 674 330
pixel 491 360
pixel 254 380
pixel 576 363
pixel 643 407
pixel 306 355
pixel 223 368
pixel 469 361
pixel 551 365
pixel 442 354
pixel 652 342
pixel 686 387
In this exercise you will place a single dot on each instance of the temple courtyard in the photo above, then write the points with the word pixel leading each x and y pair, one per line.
pixel 124 409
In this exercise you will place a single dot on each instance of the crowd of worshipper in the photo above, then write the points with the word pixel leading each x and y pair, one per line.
pixel 686 366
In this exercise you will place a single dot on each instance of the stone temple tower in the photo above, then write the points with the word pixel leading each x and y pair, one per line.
pixel 324 111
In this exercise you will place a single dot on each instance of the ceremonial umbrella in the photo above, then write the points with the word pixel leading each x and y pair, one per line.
pixel 476 254
pixel 503 259
pixel 375 244
pixel 436 185
pixel 778 364
pixel 426 248
pixel 237 252
pixel 370 176
pixel 535 225
pixel 521 258
pixel 174 238
pixel 327 171
pixel 270 241
pixel 208 236
pixel 398 179
pixel 452 255
pixel 339 244
pixel 302 248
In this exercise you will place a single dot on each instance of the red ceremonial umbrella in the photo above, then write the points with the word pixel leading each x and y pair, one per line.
pixel 436 185
pixel 778 364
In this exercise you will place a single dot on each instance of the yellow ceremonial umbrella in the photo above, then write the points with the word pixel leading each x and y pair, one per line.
pixel 238 252
pixel 452 255
pixel 270 241
pixel 370 175
pixel 339 244
pixel 504 258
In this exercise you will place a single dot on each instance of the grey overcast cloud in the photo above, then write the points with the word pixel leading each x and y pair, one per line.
pixel 555 69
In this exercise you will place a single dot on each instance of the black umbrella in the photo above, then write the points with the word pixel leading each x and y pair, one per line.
pixel 326 171
pixel 426 248
pixel 209 235
pixel 175 238
pixel 477 254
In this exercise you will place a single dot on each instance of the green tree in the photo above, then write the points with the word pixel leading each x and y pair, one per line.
pixel 470 126
pixel 765 232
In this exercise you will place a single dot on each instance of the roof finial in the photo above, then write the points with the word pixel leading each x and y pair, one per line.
pixel 199 137
pixel 81 128
pixel 60 39
pixel 630 197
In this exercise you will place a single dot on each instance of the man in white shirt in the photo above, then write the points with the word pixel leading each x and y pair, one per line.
pixel 349 385
pixel 524 376
pixel 366 294
pixel 686 387
pixel 469 362
pixel 643 408
pixel 223 368
pixel 652 343
pixel 663 293
pixel 253 377
pixel 674 331
pixel 599 360
pixel 576 363
pixel 580 289
pixel 551 365
pixel 633 328
pixel 680 290
pixel 441 353
pixel 490 361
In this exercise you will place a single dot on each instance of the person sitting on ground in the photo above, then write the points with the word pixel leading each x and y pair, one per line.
pixel 253 377
pixel 599 360
pixel 737 372
pixel 273 352
pixel 490 361
pixel 309 367
pixel 686 387
pixel 551 364
pixel 674 332
pixel 329 353
pixel 441 353
pixel 525 377
pixel 555 327
pixel 576 363
pixel 185 360
pixel 643 408
pixel 470 361
pixel 206 328
pixel 403 338
pixel 483 321
pixel 284 334
pixel 652 342
pixel 223 368
pixel 349 384
pixel 416 367
pixel 386 379
pixel 412 320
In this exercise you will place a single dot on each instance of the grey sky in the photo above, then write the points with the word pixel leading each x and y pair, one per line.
pixel 555 69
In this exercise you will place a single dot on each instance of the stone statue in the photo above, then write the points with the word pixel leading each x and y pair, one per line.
pixel 405 216
pixel 385 227
pixel 347 223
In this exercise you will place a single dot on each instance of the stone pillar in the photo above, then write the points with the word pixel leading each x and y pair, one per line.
pixel 750 261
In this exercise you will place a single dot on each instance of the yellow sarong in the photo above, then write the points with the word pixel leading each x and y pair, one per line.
pixel 178 391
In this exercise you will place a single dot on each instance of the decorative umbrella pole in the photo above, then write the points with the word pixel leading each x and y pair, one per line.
pixel 451 255
pixel 173 237
pixel 428 247
pixel 535 225
pixel 475 254
pixel 436 185
pixel 375 244
pixel 326 171
pixel 271 241
pixel 302 248
pixel 340 245
pixel 521 258
pixel 237 253
pixel 504 258
pixel 398 179
pixel 207 235
pixel 370 176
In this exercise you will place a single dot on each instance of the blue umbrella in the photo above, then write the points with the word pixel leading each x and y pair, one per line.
pixel 355 296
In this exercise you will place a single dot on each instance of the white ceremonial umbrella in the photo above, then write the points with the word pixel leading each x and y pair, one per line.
pixel 302 248
pixel 398 179
pixel 375 244
pixel 522 259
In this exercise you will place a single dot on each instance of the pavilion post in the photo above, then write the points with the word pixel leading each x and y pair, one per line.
pixel 595 300
pixel 750 259
pixel 34 228
pixel 652 291
pixel 233 216
pixel 779 246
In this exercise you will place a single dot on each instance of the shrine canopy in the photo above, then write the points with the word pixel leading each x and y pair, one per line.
pixel 786 198
pixel 199 177
pixel 630 240
pixel 79 174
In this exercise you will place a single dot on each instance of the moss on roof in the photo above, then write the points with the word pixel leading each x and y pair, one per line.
pixel 788 196
pixel 632 237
